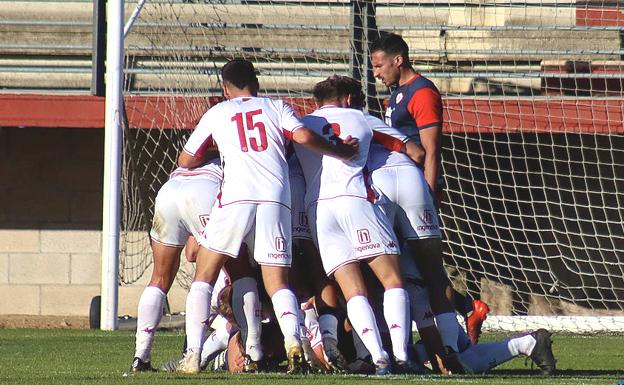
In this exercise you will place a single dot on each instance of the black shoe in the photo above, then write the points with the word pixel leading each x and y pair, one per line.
pixel 249 365
pixel 139 366
pixel 542 353
pixel 408 367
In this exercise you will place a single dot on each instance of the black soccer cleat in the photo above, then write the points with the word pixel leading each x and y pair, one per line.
pixel 249 365
pixel 139 366
pixel 542 353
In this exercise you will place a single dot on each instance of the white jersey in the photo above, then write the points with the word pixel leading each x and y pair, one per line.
pixel 250 133
pixel 328 177
pixel 211 169
pixel 385 137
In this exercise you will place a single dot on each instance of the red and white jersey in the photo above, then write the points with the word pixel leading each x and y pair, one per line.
pixel 328 177
pixel 211 169
pixel 250 133
pixel 386 146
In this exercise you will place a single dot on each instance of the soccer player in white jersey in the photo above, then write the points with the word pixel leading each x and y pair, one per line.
pixel 254 200
pixel 350 229
pixel 410 206
pixel 183 205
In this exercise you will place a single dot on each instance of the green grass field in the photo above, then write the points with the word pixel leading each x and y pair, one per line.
pixel 93 357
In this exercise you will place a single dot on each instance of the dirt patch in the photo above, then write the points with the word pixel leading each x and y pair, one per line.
pixel 43 322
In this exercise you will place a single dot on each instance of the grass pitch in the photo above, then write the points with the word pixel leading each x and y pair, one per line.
pixel 59 357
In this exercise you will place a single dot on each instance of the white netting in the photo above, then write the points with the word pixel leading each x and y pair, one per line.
pixel 534 140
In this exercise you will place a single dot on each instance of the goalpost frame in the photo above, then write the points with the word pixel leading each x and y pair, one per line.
pixel 111 204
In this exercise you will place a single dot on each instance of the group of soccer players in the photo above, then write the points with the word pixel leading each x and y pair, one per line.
pixel 335 186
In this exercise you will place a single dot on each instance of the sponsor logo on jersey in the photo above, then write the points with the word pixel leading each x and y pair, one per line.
pixel 301 229
pixel 280 244
pixel 363 236
pixel 203 219
pixel 399 97
pixel 370 246
pixel 303 219
pixel 428 216
pixel 278 255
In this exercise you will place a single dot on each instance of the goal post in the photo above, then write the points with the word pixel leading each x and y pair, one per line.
pixel 111 217
pixel 533 143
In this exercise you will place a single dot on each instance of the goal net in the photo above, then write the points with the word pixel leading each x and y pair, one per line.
pixel 533 145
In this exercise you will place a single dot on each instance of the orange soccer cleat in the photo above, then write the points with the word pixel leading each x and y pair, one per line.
pixel 475 319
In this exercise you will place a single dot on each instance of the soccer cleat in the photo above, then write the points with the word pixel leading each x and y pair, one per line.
pixel 542 353
pixel 249 365
pixel 453 363
pixel 409 367
pixel 383 367
pixel 296 361
pixel 189 364
pixel 333 356
pixel 475 320
pixel 138 365
pixel 170 366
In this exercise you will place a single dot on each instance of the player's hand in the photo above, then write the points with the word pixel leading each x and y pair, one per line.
pixel 349 148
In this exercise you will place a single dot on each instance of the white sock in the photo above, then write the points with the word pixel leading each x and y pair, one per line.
pixel 328 327
pixel 197 312
pixel 287 314
pixel 396 313
pixel 215 344
pixel 447 326
pixel 483 357
pixel 312 326
pixel 363 321
pixel 522 345
pixel 246 308
pixel 149 313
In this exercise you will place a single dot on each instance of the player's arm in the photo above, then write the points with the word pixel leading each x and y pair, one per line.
pixel 430 138
pixel 425 108
pixel 406 145
pixel 347 149
pixel 200 146
pixel 187 160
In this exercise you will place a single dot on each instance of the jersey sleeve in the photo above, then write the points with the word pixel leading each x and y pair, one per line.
pixel 425 107
pixel 201 138
pixel 289 122
pixel 379 126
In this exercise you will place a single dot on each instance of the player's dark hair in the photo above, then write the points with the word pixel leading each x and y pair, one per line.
pixel 349 86
pixel 327 89
pixel 392 44
pixel 241 74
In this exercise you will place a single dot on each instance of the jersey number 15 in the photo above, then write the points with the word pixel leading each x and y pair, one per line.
pixel 248 124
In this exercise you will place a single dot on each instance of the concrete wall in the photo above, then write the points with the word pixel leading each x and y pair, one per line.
pixel 50 220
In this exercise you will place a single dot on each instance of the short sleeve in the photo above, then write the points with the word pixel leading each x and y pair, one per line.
pixel 289 122
pixel 201 138
pixel 378 125
pixel 425 107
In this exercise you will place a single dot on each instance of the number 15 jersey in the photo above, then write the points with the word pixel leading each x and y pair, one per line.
pixel 250 133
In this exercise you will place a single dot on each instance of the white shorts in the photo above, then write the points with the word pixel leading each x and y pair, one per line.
pixel 300 223
pixel 411 208
pixel 183 206
pixel 266 226
pixel 350 229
